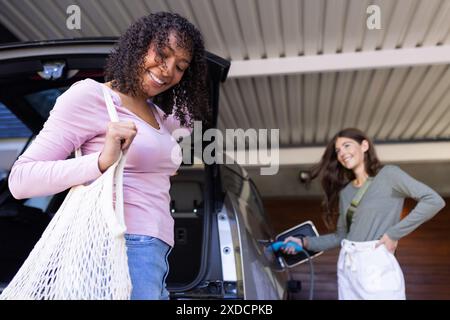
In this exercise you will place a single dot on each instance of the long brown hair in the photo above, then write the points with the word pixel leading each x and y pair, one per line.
pixel 334 177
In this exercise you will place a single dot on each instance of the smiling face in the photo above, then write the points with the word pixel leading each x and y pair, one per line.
pixel 162 73
pixel 350 153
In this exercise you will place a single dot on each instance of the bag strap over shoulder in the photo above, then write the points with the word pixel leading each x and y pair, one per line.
pixel 110 105
pixel 118 172
pixel 356 200
pixel 111 112
pixel 120 163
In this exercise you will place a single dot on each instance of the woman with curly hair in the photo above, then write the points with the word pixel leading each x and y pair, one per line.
pixel 156 77
pixel 368 199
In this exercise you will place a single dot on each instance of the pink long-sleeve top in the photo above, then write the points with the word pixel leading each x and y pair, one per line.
pixel 79 118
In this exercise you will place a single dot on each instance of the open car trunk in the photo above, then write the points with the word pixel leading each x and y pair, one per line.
pixel 188 195
pixel 26 92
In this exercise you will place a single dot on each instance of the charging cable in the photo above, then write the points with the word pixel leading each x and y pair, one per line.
pixel 277 246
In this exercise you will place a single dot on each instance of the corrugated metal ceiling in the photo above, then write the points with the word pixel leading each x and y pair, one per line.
pixel 407 103
pixel 398 104
pixel 249 29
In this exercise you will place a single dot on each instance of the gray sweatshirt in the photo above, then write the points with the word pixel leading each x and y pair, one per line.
pixel 380 209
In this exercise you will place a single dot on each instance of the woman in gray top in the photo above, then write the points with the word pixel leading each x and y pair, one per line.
pixel 369 199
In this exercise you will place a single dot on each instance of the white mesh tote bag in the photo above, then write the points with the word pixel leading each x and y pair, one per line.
pixel 81 254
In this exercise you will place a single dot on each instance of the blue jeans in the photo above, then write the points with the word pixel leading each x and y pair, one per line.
pixel 148 265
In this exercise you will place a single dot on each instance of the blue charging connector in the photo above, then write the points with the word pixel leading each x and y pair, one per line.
pixel 276 246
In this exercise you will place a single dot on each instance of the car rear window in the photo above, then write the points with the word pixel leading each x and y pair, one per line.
pixel 44 101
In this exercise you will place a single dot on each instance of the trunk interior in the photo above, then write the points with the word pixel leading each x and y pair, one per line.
pixel 188 210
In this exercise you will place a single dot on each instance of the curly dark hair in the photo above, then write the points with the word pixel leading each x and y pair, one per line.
pixel 124 65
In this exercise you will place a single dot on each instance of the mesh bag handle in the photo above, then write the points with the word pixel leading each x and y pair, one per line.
pixel 118 166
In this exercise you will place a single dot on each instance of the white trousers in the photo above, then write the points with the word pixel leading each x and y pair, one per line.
pixel 369 273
